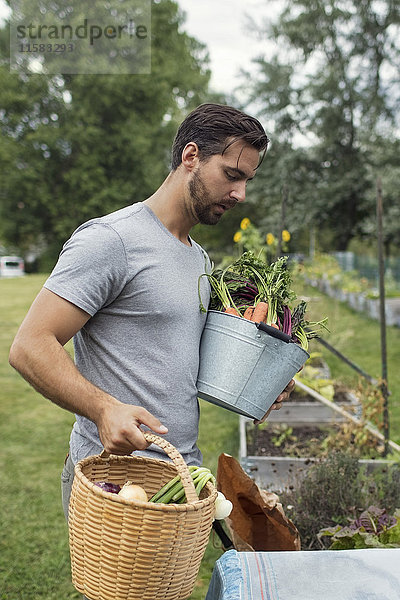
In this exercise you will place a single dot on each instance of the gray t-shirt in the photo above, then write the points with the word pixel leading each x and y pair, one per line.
pixel 139 283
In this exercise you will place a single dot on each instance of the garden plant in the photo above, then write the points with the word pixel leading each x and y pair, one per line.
pixel 336 491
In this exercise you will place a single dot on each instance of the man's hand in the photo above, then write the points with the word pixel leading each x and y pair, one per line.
pixel 278 402
pixel 119 427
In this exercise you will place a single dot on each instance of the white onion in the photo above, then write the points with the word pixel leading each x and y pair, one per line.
pixel 223 507
pixel 130 491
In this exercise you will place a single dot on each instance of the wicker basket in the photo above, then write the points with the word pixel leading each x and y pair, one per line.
pixel 132 550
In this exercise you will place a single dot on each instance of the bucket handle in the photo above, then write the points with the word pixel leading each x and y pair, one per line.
pixel 276 333
pixel 177 459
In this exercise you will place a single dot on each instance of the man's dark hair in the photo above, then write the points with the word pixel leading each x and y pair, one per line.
pixel 214 127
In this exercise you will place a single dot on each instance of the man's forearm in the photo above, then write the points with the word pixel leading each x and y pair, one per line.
pixel 51 371
pixel 38 354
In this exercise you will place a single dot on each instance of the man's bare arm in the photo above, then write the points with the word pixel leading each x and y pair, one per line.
pixel 38 354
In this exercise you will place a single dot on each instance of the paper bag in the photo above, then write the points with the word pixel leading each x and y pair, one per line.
pixel 257 521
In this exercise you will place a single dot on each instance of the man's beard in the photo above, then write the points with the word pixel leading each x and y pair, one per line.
pixel 202 202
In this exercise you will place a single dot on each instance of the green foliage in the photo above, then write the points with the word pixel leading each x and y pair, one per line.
pixel 330 92
pixel 325 269
pixel 326 494
pixel 310 376
pixel 78 146
pixel 288 178
pixel 374 528
pixel 283 433
pixel 384 160
pixel 249 238
pixel 248 280
pixel 336 489
pixel 356 336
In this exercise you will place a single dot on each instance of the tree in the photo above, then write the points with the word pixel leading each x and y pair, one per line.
pixel 30 108
pixel 386 164
pixel 78 146
pixel 330 88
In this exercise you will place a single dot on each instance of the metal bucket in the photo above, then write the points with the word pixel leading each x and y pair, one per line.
pixel 242 367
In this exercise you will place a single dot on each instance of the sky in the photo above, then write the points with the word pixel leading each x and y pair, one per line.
pixel 223 27
pixel 4 10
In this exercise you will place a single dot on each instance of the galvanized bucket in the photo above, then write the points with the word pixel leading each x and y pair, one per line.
pixel 244 366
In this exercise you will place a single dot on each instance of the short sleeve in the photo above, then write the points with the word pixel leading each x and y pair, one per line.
pixel 92 268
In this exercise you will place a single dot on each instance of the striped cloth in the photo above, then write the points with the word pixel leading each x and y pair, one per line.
pixel 370 574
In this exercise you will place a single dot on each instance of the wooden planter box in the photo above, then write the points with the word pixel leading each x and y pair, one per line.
pixel 276 473
pixel 303 408
pixel 359 301
pixel 308 411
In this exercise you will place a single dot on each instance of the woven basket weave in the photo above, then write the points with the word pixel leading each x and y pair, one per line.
pixel 133 550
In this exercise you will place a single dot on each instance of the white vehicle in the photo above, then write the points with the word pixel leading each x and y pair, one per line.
pixel 11 266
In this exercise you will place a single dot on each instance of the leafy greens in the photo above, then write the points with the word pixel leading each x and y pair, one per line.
pixel 249 280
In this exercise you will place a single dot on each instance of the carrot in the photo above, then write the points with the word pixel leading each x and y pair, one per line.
pixel 248 313
pixel 232 311
pixel 274 325
pixel 260 312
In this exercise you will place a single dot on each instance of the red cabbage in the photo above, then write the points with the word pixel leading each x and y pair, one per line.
pixel 106 486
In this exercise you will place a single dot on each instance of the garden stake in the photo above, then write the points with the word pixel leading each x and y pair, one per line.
pixel 382 313
pixel 346 360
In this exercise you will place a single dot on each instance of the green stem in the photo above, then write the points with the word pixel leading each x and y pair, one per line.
pixel 202 482
pixel 165 489
pixel 170 487
pixel 168 496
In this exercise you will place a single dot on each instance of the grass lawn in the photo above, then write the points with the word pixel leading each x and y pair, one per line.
pixel 34 557
pixel 34 434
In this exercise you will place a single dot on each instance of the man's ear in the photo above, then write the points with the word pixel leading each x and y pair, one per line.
pixel 190 156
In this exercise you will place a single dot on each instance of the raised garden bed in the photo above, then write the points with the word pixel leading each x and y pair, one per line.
pixel 304 406
pixel 360 301
pixel 278 454
pixel 304 409
pixel 269 464
pixel 277 458
pixel 283 440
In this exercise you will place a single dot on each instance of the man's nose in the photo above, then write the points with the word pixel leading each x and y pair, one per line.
pixel 239 191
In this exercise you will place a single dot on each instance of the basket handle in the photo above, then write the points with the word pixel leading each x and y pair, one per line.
pixel 177 459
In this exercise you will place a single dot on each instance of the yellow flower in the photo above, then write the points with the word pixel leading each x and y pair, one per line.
pixel 237 237
pixel 270 239
pixel 285 235
pixel 244 223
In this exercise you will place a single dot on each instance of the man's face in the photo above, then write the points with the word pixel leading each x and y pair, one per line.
pixel 218 183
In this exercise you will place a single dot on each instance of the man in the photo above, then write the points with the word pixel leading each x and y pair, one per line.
pixel 125 287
